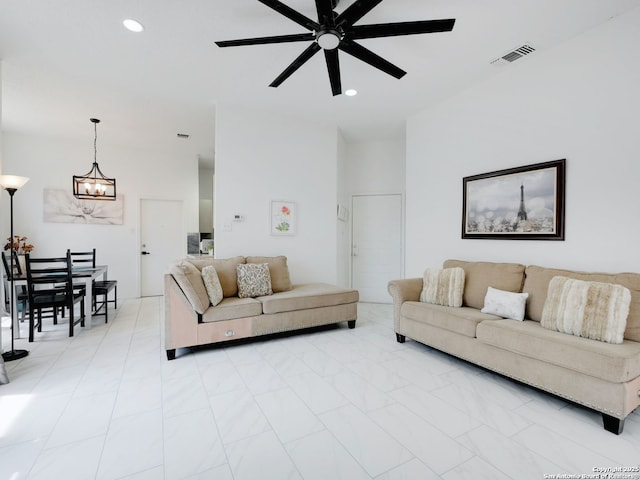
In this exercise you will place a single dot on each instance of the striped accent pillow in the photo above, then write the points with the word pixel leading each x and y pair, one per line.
pixel 592 310
pixel 443 286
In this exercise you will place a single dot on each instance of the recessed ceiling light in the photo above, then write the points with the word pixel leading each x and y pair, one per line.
pixel 351 92
pixel 132 25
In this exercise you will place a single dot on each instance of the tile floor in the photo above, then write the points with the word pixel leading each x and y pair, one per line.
pixel 332 404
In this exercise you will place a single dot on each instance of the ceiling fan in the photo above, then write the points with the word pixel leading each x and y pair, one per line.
pixel 333 32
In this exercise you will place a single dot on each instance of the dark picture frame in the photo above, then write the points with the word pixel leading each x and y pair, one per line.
pixel 522 203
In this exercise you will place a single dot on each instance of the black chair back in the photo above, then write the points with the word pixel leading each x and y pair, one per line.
pixel 48 275
pixel 17 269
pixel 50 286
pixel 87 258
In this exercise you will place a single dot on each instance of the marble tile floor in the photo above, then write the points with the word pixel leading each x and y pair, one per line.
pixel 322 405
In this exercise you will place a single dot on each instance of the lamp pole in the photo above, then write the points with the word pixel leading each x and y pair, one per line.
pixel 11 183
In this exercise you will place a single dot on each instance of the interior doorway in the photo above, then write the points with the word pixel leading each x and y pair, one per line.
pixel 162 241
pixel 376 245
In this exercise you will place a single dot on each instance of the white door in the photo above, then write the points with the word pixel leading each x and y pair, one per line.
pixel 376 249
pixel 161 242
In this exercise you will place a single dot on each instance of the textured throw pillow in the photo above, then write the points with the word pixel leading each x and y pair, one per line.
pixel 443 286
pixel 505 304
pixel 212 284
pixel 254 280
pixel 592 310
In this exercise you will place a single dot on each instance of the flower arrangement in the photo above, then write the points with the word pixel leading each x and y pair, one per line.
pixel 19 244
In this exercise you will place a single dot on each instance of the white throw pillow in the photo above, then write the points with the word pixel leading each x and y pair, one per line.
pixel 212 284
pixel 443 286
pixel 505 304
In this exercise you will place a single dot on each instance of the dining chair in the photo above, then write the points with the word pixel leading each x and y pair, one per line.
pixel 21 293
pixel 100 288
pixel 50 286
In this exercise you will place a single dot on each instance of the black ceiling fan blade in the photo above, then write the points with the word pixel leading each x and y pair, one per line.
pixel 291 14
pixel 356 11
pixel 298 37
pixel 359 32
pixel 325 12
pixel 333 67
pixel 309 52
pixel 367 56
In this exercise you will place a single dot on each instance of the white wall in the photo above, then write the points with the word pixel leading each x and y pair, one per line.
pixel 376 167
pixel 141 171
pixel 343 240
pixel 205 193
pixel 262 157
pixel 578 101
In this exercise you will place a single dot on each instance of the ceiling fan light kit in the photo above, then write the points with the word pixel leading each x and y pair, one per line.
pixel 333 32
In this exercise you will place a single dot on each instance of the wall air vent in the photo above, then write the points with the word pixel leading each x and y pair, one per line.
pixel 514 55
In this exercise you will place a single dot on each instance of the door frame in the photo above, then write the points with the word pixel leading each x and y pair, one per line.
pixel 402 228
pixel 139 233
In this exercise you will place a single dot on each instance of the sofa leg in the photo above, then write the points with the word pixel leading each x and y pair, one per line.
pixel 351 323
pixel 171 354
pixel 400 338
pixel 612 424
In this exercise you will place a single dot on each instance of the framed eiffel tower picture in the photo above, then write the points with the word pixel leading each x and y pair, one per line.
pixel 522 203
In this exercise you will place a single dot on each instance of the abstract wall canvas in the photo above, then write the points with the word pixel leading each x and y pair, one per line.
pixel 60 206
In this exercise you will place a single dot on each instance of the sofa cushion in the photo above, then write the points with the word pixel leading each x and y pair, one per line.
pixel 481 275
pixel 227 273
pixel 189 279
pixel 443 286
pixel 254 280
pixel 505 304
pixel 280 279
pixel 312 295
pixel 200 262
pixel 537 283
pixel 212 284
pixel 614 363
pixel 462 320
pixel 233 307
pixel 592 310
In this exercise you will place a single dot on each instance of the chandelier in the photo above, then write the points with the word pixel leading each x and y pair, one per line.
pixel 94 185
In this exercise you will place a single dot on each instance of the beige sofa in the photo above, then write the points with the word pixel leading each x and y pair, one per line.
pixel 602 376
pixel 191 320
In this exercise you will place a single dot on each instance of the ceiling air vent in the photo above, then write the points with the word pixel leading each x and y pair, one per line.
pixel 514 55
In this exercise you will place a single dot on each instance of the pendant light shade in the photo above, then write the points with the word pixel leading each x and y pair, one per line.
pixel 94 185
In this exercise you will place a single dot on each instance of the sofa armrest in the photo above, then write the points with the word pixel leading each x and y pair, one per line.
pixel 404 290
pixel 180 320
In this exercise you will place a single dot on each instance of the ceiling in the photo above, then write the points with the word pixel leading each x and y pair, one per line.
pixel 66 61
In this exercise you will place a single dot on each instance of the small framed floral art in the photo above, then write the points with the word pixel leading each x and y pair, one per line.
pixel 283 218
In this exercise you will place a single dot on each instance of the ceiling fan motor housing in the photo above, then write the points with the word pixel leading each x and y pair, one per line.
pixel 329 38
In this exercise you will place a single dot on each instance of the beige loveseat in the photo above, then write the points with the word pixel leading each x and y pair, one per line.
pixel 191 320
pixel 602 376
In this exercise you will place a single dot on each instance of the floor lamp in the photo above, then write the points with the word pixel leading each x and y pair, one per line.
pixel 11 183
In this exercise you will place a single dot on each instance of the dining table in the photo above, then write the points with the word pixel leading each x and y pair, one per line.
pixel 82 275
